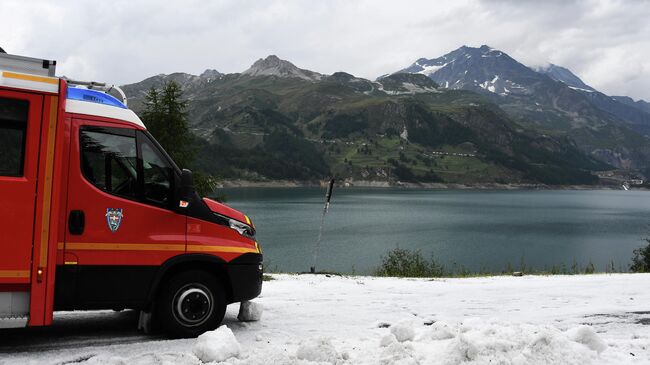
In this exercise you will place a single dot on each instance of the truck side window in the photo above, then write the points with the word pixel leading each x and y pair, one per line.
pixel 13 128
pixel 109 162
pixel 157 173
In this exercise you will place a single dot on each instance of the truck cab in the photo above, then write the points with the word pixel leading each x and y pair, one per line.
pixel 95 215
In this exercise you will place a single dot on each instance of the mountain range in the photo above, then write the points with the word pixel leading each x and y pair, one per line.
pixel 472 116
pixel 549 99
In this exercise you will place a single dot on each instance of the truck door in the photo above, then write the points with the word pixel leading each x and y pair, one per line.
pixel 20 125
pixel 121 221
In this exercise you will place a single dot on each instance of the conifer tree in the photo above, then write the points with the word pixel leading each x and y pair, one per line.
pixel 165 115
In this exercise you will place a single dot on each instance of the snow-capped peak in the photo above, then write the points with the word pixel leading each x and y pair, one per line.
pixel 559 73
pixel 477 68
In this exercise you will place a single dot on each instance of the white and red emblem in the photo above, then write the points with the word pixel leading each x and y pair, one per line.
pixel 114 218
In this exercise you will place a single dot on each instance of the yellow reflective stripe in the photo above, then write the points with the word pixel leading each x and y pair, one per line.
pixel 14 273
pixel 247 220
pixel 230 249
pixel 13 75
pixel 154 247
pixel 125 246
pixel 48 182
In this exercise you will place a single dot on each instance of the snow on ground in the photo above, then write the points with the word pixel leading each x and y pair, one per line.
pixel 307 319
pixel 217 346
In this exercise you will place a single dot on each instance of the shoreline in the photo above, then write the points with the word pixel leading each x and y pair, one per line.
pixel 241 183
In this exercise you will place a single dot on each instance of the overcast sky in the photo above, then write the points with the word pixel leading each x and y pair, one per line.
pixel 606 43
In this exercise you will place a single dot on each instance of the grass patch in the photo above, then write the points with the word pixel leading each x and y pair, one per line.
pixel 357 157
pixel 266 277
pixel 412 264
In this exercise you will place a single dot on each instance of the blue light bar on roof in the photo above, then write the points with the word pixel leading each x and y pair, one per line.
pixel 94 96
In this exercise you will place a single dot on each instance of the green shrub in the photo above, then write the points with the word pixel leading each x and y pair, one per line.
pixel 641 259
pixel 403 173
pixel 405 263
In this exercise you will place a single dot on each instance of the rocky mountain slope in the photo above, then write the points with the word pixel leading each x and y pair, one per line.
pixel 639 104
pixel 550 100
pixel 274 66
pixel 633 113
pixel 277 121
pixel 559 73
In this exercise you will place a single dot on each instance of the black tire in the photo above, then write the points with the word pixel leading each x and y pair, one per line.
pixel 190 303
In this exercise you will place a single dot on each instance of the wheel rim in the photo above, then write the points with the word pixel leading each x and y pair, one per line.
pixel 193 305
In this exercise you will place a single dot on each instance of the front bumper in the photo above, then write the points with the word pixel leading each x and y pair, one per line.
pixel 245 273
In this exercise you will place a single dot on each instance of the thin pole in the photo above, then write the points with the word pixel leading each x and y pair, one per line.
pixel 328 197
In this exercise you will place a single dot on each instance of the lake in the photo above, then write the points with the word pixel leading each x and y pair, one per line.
pixel 480 230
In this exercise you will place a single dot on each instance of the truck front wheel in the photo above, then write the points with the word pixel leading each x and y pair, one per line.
pixel 191 303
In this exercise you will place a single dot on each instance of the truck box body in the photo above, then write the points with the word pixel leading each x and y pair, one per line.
pixel 94 214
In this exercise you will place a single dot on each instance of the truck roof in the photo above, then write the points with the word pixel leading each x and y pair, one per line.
pixel 88 98
pixel 80 100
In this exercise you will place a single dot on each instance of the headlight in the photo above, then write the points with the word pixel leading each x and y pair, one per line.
pixel 243 229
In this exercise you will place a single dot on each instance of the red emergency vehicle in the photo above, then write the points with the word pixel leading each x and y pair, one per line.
pixel 95 215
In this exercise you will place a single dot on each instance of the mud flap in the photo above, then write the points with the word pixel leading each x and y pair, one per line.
pixel 249 311
pixel 144 322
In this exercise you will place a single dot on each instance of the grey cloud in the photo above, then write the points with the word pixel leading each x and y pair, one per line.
pixel 607 43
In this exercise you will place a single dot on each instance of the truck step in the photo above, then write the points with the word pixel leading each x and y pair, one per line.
pixel 14 321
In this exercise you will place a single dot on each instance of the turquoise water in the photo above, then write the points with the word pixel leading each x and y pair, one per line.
pixel 477 229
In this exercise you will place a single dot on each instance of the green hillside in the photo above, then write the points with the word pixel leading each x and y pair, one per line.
pixel 402 129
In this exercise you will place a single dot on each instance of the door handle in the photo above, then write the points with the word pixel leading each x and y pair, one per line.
pixel 76 222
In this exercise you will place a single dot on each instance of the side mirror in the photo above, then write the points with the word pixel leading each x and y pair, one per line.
pixel 186 189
